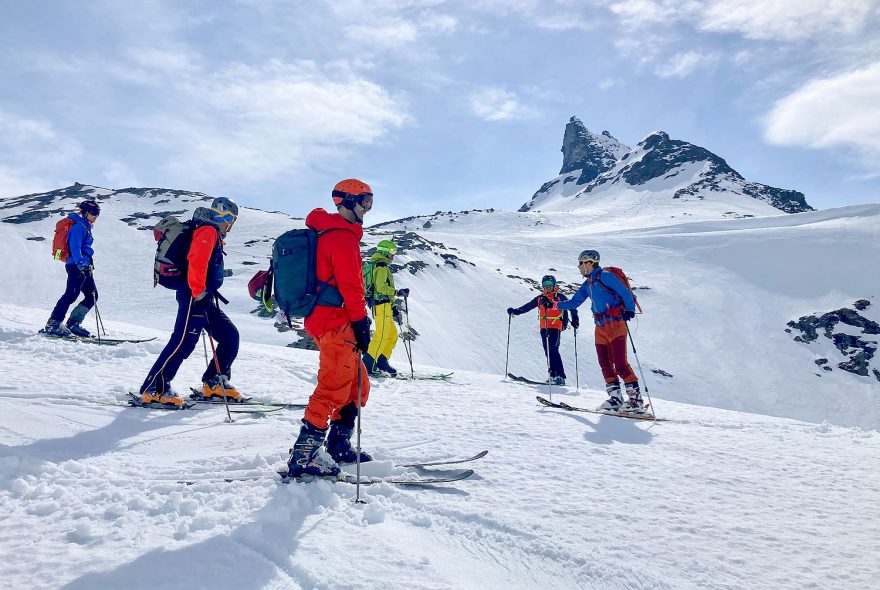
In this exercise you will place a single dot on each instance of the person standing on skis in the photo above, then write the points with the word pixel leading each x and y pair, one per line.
pixel 380 294
pixel 197 309
pixel 79 274
pixel 613 305
pixel 551 322
pixel 342 335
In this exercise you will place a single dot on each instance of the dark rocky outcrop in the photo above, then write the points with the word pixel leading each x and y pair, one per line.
pixel 857 350
pixel 591 154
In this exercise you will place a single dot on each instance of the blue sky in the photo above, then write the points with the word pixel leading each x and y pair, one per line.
pixel 438 104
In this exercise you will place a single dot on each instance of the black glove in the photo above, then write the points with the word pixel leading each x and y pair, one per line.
pixel 395 313
pixel 362 333
pixel 511 311
pixel 403 292
pixel 575 323
pixel 628 314
pixel 545 302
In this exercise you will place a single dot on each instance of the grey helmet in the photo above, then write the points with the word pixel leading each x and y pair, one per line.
pixel 589 255
pixel 224 209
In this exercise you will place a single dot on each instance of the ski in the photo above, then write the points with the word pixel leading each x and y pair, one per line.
pixel 479 455
pixel 115 341
pixel 136 402
pixel 565 406
pixel 95 340
pixel 417 377
pixel 342 478
pixel 196 398
pixel 529 381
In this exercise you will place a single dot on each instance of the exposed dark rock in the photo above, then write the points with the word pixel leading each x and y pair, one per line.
pixel 249 262
pixel 661 372
pixel 862 304
pixel 36 238
pixel 427 224
pixel 857 350
pixel 581 150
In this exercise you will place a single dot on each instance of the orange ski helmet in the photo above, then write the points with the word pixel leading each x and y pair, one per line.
pixel 351 192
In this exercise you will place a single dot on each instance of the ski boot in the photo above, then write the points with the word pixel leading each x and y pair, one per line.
pixel 56 328
pixel 613 403
pixel 308 460
pixel 168 399
pixel 339 439
pixel 74 322
pixel 217 385
pixel 382 364
pixel 557 380
pixel 370 364
pixel 633 405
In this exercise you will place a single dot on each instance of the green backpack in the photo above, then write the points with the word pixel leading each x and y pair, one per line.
pixel 369 286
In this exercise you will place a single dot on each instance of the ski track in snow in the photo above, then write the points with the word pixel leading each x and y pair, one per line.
pixel 719 499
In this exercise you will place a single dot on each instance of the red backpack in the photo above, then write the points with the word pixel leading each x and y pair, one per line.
pixel 60 247
pixel 618 272
pixel 260 288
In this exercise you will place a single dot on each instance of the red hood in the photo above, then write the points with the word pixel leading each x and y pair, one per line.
pixel 320 220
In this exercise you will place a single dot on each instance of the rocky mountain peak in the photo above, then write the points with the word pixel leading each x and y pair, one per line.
pixel 590 153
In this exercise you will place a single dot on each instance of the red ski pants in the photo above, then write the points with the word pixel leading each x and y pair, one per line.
pixel 611 350
pixel 337 377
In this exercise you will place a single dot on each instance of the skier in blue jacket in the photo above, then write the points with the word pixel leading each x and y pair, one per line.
pixel 613 305
pixel 79 275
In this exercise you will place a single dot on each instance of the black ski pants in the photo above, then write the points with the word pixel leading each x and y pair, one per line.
pixel 550 339
pixel 77 282
pixel 193 317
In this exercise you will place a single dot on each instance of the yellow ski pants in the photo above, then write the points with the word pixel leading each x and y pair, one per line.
pixel 385 337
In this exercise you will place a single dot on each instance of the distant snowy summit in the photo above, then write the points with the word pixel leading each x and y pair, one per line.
pixel 598 167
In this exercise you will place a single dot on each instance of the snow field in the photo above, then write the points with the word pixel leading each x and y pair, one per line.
pixel 716 499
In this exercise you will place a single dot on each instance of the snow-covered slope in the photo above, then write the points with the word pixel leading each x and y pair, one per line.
pixel 713 498
pixel 717 295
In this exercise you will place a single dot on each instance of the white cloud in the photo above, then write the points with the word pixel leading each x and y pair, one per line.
pixel 838 112
pixel 394 33
pixel 681 65
pixel 497 104
pixel 245 123
pixel 790 20
pixel 32 153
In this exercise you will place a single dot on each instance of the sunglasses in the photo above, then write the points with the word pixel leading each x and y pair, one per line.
pixel 582 262
pixel 548 285
pixel 365 200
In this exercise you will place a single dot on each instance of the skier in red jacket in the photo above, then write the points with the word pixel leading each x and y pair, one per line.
pixel 342 334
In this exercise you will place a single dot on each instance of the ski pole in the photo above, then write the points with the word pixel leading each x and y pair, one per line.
pixel 642 373
pixel 217 369
pixel 545 340
pixel 357 499
pixel 507 354
pixel 205 347
pixel 406 309
pixel 405 343
pixel 577 379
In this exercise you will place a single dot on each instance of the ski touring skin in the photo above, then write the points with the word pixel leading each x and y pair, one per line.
pixel 342 478
pixel 94 340
pixel 565 406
